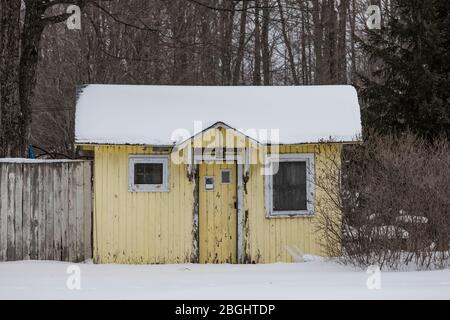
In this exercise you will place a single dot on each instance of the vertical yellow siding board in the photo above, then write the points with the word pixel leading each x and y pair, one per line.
pixel 258 187
pixel 259 215
pixel 129 217
pixel 105 223
pixel 166 227
pixel 110 195
pixel 150 230
pixel 115 198
pixel 104 204
pixel 133 230
pixel 157 214
pixel 186 206
pixel 147 228
pixel 221 217
pixel 174 235
pixel 98 229
pixel 252 214
pixel 105 215
pixel 203 223
pixel 208 218
pixel 172 198
pixel 180 215
pixel 211 218
pixel 97 223
pixel 119 198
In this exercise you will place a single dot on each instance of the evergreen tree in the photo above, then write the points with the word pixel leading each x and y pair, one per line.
pixel 409 90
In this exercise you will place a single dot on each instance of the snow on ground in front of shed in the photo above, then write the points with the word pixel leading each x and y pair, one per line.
pixel 140 114
pixel 314 279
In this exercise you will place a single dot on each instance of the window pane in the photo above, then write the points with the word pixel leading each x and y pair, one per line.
pixel 226 176
pixel 148 173
pixel 289 187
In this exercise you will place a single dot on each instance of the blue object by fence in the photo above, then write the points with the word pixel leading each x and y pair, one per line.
pixel 31 154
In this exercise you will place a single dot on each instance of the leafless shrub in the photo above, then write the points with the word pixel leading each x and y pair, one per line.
pixel 394 197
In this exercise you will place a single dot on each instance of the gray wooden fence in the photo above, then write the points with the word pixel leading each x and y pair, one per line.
pixel 45 210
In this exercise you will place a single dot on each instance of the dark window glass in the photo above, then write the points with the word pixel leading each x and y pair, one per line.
pixel 226 176
pixel 289 186
pixel 148 173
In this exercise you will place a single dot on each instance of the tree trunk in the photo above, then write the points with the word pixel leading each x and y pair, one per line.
pixel 341 45
pixel 331 44
pixel 227 38
pixel 309 44
pixel 265 43
pixel 32 30
pixel 241 45
pixel 11 142
pixel 352 43
pixel 257 64
pixel 303 52
pixel 208 57
pixel 288 44
pixel 19 69
pixel 318 41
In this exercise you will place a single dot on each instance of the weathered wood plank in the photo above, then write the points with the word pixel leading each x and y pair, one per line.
pixel 18 213
pixel 3 210
pixel 57 211
pixel 79 190
pixel 65 212
pixel 41 211
pixel 72 230
pixel 26 210
pixel 49 210
pixel 10 250
pixel 87 219
pixel 35 214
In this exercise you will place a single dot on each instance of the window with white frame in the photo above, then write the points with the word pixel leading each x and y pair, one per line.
pixel 148 173
pixel 290 189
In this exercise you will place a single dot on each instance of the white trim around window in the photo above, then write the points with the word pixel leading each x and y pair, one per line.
pixel 310 189
pixel 135 159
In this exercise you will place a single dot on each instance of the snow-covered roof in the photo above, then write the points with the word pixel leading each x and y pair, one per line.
pixel 144 114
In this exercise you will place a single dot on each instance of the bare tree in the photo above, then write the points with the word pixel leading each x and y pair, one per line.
pixel 241 43
pixel 288 44
pixel 257 50
pixel 375 208
pixel 11 118
pixel 265 43
pixel 21 69
pixel 270 42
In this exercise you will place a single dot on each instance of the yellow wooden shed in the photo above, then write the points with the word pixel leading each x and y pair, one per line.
pixel 211 174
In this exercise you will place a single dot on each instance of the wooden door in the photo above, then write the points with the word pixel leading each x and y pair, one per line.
pixel 218 214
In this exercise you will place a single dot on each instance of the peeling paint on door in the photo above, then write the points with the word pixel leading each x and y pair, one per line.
pixel 218 218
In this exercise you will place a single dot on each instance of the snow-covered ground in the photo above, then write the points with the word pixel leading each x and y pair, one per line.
pixel 307 280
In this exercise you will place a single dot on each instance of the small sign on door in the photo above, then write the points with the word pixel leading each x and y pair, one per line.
pixel 209 183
